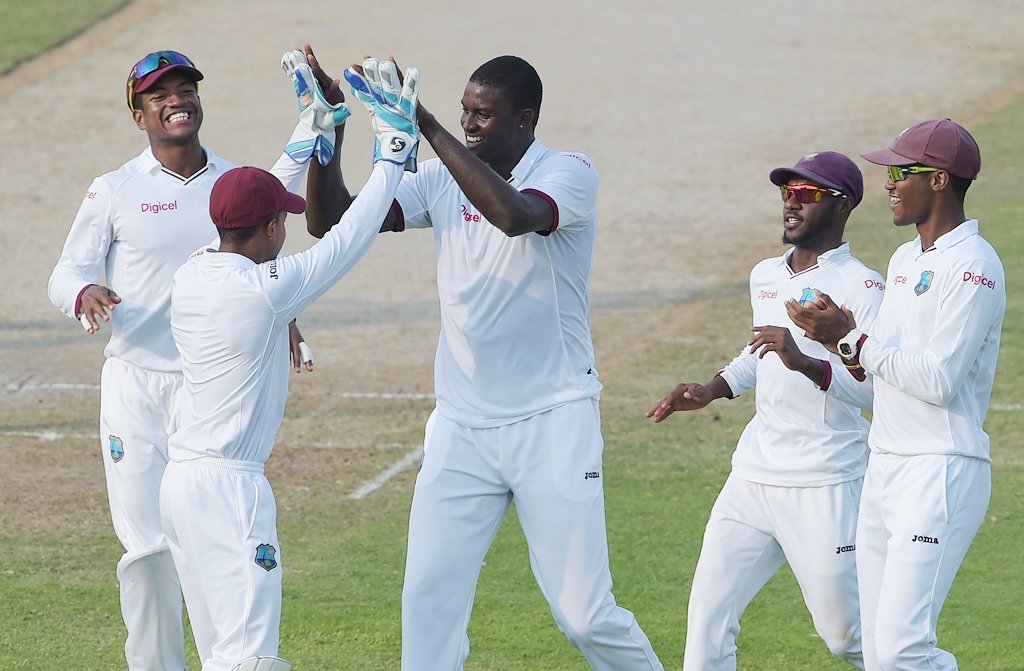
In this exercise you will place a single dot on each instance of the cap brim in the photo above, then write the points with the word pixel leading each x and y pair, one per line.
pixel 293 203
pixel 781 176
pixel 887 157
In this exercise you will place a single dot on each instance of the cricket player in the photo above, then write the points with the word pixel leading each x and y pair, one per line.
pixel 230 311
pixel 797 471
pixel 135 226
pixel 931 355
pixel 517 415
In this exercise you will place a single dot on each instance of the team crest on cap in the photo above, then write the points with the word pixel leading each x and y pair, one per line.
pixel 808 297
pixel 116 448
pixel 925 283
pixel 265 557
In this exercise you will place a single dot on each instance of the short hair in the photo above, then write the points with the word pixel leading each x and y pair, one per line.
pixel 515 77
pixel 238 235
pixel 960 186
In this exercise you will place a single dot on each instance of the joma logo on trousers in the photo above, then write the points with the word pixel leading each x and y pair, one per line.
pixel 591 475
pixel 924 539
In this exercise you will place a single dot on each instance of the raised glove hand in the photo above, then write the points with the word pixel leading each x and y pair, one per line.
pixel 317 118
pixel 392 106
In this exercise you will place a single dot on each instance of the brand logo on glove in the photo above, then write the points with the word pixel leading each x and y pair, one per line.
pixel 396 144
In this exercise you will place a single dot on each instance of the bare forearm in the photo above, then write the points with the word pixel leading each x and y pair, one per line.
pixel 327 197
pixel 501 204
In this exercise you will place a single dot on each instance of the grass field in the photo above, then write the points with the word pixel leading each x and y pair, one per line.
pixel 30 27
pixel 58 592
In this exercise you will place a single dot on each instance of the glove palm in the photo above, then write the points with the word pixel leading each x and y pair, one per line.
pixel 392 107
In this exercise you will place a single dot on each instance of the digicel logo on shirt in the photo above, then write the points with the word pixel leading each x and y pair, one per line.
pixel 157 208
pixel 975 278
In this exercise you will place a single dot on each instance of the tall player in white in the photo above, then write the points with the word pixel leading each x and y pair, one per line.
pixel 517 415
pixel 230 311
pixel 799 465
pixel 136 226
pixel 932 357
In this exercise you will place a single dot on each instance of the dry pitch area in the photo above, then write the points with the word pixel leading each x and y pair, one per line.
pixel 683 106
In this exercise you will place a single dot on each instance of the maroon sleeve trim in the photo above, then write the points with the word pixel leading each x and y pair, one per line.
pixel 78 300
pixel 396 210
pixel 554 210
pixel 826 376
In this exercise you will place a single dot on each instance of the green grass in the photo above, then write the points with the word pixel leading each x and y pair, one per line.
pixel 58 591
pixel 31 27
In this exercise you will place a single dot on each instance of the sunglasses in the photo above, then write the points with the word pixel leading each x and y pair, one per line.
pixel 899 173
pixel 806 193
pixel 151 63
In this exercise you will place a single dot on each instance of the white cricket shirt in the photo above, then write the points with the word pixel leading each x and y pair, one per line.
pixel 934 346
pixel 515 316
pixel 229 319
pixel 800 436
pixel 135 227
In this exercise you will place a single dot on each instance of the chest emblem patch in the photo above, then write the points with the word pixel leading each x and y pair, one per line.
pixel 925 283
pixel 808 296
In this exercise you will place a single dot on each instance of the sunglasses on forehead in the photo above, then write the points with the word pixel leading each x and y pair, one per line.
pixel 151 63
pixel 806 193
pixel 899 173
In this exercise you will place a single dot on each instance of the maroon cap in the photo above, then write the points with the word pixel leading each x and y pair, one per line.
pixel 151 67
pixel 936 143
pixel 827 168
pixel 246 197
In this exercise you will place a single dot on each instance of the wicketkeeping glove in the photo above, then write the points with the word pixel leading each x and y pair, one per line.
pixel 392 106
pixel 317 118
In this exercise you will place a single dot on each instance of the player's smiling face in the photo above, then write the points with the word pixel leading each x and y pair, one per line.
pixel 805 223
pixel 170 111
pixel 495 131
pixel 910 199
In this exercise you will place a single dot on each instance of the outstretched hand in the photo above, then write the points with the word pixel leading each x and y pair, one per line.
pixel 686 396
pixel 332 90
pixel 315 132
pixel 391 100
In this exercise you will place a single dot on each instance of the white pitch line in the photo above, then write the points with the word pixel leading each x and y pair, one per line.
pixel 391 471
pixel 1008 407
pixel 46 436
pixel 382 395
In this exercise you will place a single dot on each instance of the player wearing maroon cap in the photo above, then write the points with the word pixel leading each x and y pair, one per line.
pixel 135 226
pixel 931 355
pixel 797 471
pixel 230 310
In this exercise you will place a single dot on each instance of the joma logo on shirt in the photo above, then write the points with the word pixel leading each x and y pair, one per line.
pixel 157 208
pixel 845 548
pixel 924 539
pixel 975 278
pixel 273 269
pixel 591 475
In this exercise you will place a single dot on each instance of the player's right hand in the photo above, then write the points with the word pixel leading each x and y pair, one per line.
pixel 686 396
pixel 97 303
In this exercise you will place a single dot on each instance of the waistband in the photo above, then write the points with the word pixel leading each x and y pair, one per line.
pixel 219 464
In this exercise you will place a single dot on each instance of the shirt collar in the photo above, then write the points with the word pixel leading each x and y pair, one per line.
pixel 528 161
pixel 214 162
pixel 957 235
pixel 832 256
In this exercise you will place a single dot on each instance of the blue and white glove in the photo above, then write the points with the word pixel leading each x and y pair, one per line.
pixel 314 133
pixel 392 106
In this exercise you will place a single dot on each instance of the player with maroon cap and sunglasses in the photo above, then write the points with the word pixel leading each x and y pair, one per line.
pixel 136 225
pixel 931 356
pixel 794 489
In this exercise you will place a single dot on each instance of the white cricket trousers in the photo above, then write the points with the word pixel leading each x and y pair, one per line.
pixel 918 517
pixel 753 530
pixel 221 521
pixel 138 411
pixel 550 466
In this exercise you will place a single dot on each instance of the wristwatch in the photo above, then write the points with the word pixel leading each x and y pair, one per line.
pixel 849 344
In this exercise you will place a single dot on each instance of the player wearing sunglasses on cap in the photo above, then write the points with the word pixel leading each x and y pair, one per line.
pixel 797 471
pixel 931 355
pixel 136 225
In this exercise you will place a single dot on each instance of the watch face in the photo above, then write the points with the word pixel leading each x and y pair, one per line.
pixel 845 349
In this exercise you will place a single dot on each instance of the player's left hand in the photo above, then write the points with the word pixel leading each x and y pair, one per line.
pixel 318 119
pixel 823 320
pixel 301 353
pixel 777 339
pixel 391 100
